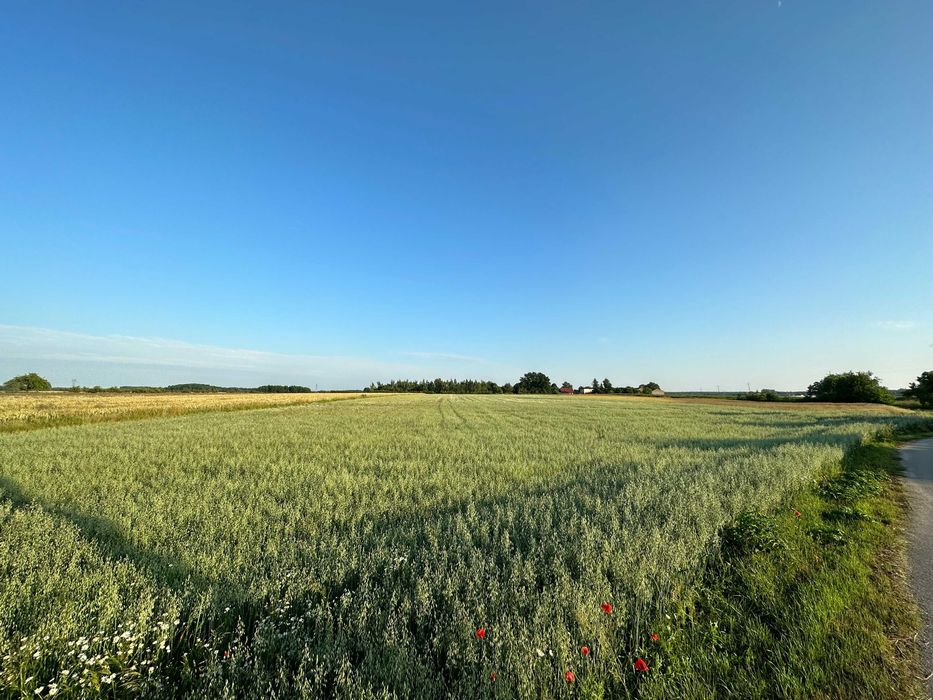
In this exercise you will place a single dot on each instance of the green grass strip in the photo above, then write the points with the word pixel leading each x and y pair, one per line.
pixel 813 605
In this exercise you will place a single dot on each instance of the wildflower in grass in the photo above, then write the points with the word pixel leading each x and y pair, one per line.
pixel 796 513
pixel 607 608
pixel 585 650
pixel 570 677
pixel 481 633
pixel 640 665
pixel 492 676
pixel 655 637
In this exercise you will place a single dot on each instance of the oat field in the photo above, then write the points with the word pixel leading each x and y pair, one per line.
pixel 394 546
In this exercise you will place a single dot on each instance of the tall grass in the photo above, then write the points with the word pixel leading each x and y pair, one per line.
pixel 353 549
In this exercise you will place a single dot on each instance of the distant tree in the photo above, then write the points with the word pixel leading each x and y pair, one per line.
pixel 440 386
pixel 763 395
pixel 566 385
pixel 27 382
pixel 194 388
pixel 607 386
pixel 282 389
pixel 849 387
pixel 648 388
pixel 595 386
pixel 922 389
pixel 535 383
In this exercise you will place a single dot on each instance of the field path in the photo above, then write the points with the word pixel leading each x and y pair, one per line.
pixel 917 458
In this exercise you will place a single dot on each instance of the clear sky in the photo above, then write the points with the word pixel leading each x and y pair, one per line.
pixel 695 193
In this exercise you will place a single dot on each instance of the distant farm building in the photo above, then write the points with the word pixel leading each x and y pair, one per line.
pixel 566 390
pixel 650 389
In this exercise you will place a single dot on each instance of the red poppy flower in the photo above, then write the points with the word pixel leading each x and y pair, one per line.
pixel 655 637
pixel 569 677
pixel 796 513
pixel 481 633
pixel 607 608
pixel 492 676
pixel 640 665
pixel 585 650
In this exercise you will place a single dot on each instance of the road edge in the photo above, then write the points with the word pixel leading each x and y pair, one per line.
pixel 810 599
pixel 919 587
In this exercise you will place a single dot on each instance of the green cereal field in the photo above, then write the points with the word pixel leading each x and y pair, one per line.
pixel 395 546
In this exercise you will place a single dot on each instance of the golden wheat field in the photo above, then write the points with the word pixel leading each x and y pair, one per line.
pixel 24 411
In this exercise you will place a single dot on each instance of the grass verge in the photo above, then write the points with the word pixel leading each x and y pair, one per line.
pixel 807 602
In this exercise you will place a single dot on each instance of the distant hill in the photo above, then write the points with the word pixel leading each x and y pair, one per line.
pixel 264 389
pixel 196 388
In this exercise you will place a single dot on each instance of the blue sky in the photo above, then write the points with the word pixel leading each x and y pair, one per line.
pixel 699 194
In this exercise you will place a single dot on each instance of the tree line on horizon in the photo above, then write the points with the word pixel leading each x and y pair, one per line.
pixel 34 382
pixel 844 387
pixel 530 383
pixel 866 387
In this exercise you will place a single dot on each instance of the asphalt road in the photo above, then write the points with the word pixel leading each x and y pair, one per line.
pixel 917 458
